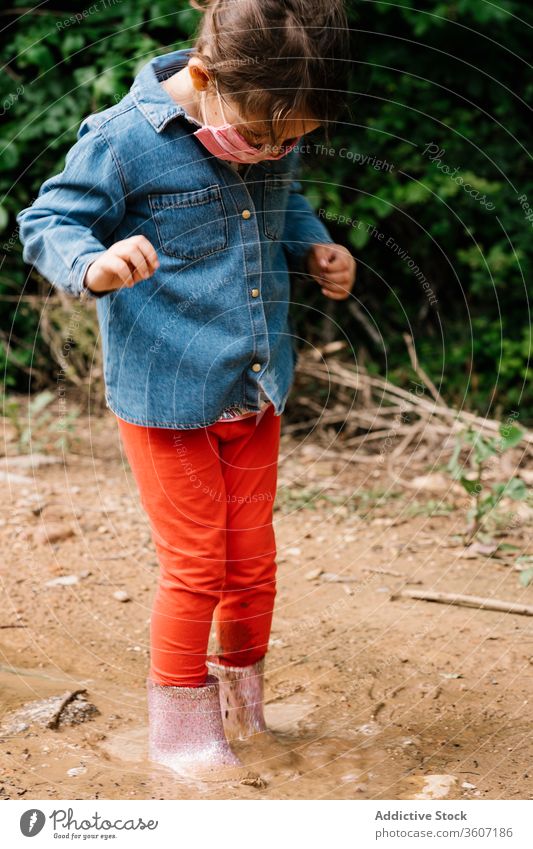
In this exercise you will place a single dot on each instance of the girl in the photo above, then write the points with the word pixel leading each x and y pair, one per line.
pixel 179 212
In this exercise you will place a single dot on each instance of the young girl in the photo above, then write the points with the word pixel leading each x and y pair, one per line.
pixel 179 212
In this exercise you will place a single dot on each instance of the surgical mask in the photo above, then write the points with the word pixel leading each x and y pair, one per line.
pixel 225 142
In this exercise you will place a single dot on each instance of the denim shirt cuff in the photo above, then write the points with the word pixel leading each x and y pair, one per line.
pixel 297 252
pixel 77 276
pixel 297 261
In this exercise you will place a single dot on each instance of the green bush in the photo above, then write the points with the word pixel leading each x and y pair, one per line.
pixel 437 96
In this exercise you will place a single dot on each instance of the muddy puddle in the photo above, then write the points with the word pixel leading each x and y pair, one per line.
pixel 102 753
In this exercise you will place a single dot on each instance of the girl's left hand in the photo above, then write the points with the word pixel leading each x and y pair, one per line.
pixel 333 268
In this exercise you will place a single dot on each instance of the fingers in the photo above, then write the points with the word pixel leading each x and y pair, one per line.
pixel 120 269
pixel 324 256
pixel 141 268
pixel 339 290
pixel 335 279
pixel 336 294
pixel 129 261
pixel 149 253
pixel 139 253
pixel 334 269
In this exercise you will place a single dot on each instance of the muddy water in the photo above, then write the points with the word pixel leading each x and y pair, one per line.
pixel 106 756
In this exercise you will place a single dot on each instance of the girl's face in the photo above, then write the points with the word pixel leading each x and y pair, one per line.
pixel 253 128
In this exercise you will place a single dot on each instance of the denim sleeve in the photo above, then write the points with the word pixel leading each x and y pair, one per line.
pixel 302 228
pixel 64 230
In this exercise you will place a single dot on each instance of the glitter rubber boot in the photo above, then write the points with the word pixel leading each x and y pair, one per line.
pixel 241 701
pixel 186 733
pixel 241 698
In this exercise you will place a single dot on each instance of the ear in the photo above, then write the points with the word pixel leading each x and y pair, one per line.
pixel 199 73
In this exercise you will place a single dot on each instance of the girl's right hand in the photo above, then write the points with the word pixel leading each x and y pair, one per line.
pixel 123 264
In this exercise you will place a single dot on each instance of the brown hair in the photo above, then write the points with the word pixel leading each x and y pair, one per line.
pixel 275 57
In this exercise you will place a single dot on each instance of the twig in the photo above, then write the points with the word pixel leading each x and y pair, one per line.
pixel 466 601
pixel 426 380
pixel 376 709
pixel 383 571
pixel 53 722
pixel 374 334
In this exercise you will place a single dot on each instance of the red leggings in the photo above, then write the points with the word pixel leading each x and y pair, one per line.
pixel 209 494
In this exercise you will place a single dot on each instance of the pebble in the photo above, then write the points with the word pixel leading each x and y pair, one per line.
pixel 63 581
pixel 121 595
pixel 76 770
pixel 313 574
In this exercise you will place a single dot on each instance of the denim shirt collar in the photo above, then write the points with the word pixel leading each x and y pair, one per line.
pixel 155 103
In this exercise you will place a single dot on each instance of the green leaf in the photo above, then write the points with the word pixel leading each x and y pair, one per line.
pixel 516 489
pixel 526 577
pixel 511 435
pixel 472 487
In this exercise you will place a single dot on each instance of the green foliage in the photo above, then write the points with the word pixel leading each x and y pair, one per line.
pixel 37 426
pixel 439 96
pixel 431 153
pixel 481 449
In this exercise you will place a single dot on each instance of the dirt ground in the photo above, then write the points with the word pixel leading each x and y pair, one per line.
pixel 370 697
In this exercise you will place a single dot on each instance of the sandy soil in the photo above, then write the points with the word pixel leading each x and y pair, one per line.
pixel 371 698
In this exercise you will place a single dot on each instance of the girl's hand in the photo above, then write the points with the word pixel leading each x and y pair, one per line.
pixel 123 264
pixel 333 268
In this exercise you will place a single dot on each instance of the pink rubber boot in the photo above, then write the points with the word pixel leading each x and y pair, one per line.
pixel 186 732
pixel 241 698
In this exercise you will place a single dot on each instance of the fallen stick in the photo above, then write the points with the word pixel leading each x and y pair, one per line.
pixel 53 722
pixel 466 601
pixel 383 571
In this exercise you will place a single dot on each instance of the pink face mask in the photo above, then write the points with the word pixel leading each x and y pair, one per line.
pixel 226 143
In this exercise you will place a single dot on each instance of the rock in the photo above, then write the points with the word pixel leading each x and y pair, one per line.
pixel 254 781
pixel 42 711
pixel 333 578
pixel 63 581
pixel 467 786
pixel 313 574
pixel 293 552
pixel 76 770
pixel 121 595
pixel 433 786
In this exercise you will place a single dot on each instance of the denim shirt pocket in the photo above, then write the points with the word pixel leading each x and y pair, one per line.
pixel 275 199
pixel 190 225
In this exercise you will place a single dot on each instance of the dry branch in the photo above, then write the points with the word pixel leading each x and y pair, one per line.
pixel 466 601
pixel 361 408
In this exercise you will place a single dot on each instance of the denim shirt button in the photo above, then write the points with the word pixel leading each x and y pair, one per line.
pixel 256 367
pixel 246 213
pixel 255 293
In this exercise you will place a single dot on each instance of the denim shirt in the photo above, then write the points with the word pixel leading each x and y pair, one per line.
pixel 210 329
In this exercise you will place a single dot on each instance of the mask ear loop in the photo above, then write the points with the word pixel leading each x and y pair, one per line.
pixel 203 98
pixel 220 103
